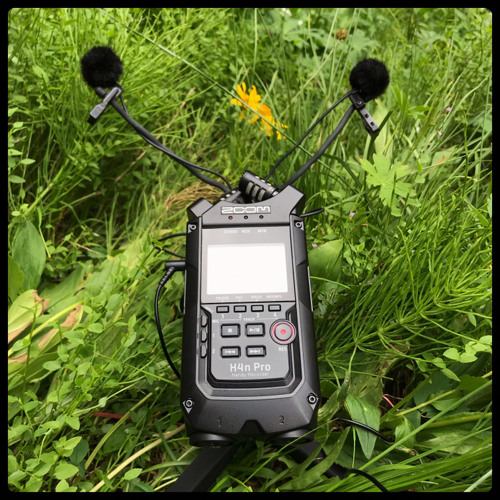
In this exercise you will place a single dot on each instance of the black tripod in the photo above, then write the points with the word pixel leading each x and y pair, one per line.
pixel 210 462
pixel 203 471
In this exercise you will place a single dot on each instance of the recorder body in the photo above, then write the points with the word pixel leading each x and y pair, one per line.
pixel 249 364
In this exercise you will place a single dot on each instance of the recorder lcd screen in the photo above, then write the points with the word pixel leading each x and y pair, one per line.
pixel 246 268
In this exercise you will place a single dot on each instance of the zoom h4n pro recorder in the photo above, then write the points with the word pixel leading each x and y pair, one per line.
pixel 248 354
pixel 249 363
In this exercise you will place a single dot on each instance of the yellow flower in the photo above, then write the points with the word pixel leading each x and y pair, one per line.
pixel 253 101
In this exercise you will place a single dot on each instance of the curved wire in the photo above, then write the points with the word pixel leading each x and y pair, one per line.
pixel 308 131
pixel 321 150
pixel 148 137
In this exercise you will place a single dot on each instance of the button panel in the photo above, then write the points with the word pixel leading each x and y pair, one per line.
pixel 241 342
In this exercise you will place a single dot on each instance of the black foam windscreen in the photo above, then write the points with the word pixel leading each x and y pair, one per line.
pixel 101 67
pixel 370 77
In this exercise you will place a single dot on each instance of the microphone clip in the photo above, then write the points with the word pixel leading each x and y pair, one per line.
pixel 99 109
pixel 359 104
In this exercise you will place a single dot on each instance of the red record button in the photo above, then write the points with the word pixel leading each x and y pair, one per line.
pixel 282 332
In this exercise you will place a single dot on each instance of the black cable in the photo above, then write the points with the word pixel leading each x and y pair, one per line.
pixel 357 471
pixel 316 211
pixel 308 131
pixel 148 137
pixel 304 451
pixel 369 477
pixel 170 268
pixel 171 252
pixel 173 235
pixel 165 249
pixel 366 427
pixel 321 150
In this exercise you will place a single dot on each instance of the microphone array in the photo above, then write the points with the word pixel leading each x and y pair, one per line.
pixel 102 68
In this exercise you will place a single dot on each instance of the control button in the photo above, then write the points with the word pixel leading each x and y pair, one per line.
pixel 230 352
pixel 222 309
pixel 257 308
pixel 274 307
pixel 203 351
pixel 282 332
pixel 256 330
pixel 204 335
pixel 240 309
pixel 256 350
pixel 204 320
pixel 230 330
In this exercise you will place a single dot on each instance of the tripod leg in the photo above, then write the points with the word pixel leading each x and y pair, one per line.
pixel 204 469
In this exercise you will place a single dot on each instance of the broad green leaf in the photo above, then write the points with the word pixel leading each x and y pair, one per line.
pixel 73 422
pixel 15 179
pixel 62 486
pixel 404 428
pixel 65 471
pixel 15 278
pixel 325 260
pixel 29 253
pixel 52 365
pixel 132 473
pixel 450 374
pixel 365 413
pixel 65 446
pixel 62 294
pixel 95 327
pixel 452 353
pixel 23 311
pixel 80 452
pixel 33 485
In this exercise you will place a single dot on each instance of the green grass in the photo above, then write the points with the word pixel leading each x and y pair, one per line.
pixel 400 257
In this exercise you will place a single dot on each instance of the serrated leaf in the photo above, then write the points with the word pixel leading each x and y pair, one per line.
pixel 386 176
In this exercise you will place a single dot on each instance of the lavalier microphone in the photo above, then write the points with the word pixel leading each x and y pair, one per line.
pixel 101 67
pixel 370 78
